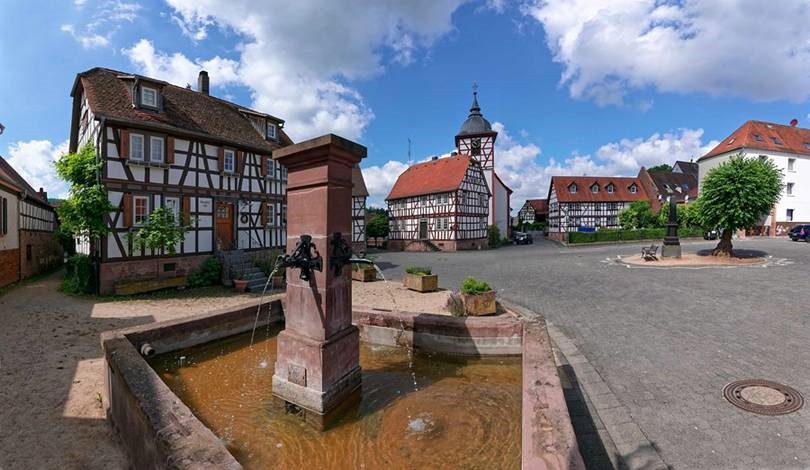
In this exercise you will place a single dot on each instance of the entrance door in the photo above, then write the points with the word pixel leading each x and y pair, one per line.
pixel 224 216
pixel 423 229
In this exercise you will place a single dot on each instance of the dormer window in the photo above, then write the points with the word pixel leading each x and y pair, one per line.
pixel 594 188
pixel 149 97
pixel 573 188
pixel 633 188
pixel 272 130
pixel 610 188
pixel 758 137
pixel 776 140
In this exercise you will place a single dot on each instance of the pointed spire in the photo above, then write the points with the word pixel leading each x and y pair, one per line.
pixel 475 110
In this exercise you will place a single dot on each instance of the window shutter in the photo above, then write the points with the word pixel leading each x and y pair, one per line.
pixel 265 208
pixel 221 157
pixel 240 161
pixel 263 169
pixel 123 152
pixel 4 210
pixel 127 210
pixel 186 210
pixel 170 150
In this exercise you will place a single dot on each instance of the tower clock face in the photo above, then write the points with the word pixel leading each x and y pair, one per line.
pixel 476 143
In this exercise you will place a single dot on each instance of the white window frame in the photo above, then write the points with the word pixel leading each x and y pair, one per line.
pixel 271 168
pixel 274 134
pixel 132 154
pixel 633 189
pixel 144 90
pixel 173 204
pixel 789 189
pixel 789 215
pixel 791 166
pixel 271 215
pixel 594 188
pixel 572 188
pixel 226 155
pixel 609 188
pixel 135 200
pixel 152 141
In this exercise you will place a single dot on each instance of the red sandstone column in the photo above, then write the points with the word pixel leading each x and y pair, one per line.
pixel 318 352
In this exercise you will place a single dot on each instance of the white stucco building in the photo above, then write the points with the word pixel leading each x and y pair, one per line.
pixel 788 146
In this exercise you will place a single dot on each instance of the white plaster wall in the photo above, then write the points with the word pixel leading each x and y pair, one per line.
pixel 11 240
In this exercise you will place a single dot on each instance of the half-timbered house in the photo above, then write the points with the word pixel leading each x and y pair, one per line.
pixel 39 249
pixel 587 203
pixel 533 211
pixel 441 204
pixel 205 159
pixel 359 197
pixel 477 139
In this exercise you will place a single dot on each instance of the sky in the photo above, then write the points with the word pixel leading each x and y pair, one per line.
pixel 573 87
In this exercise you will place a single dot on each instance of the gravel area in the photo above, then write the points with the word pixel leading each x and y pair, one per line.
pixel 393 296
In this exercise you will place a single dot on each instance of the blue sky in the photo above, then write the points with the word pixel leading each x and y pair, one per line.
pixel 573 86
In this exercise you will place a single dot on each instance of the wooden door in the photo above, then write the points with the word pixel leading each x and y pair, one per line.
pixel 224 223
pixel 423 229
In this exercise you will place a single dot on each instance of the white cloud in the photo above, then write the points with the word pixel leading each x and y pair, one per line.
pixel 179 69
pixel 518 164
pixel 33 160
pixel 106 19
pixel 380 179
pixel 298 58
pixel 730 48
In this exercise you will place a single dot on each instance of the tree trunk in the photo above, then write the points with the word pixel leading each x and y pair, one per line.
pixel 724 248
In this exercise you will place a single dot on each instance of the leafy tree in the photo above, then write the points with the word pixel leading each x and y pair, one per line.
pixel 737 194
pixel 688 216
pixel 160 231
pixel 494 236
pixel 638 215
pixel 377 225
pixel 661 167
pixel 82 213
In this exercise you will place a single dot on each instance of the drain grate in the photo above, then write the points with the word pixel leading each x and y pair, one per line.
pixel 763 397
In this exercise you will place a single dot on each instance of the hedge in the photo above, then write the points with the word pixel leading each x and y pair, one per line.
pixel 629 235
pixel 79 275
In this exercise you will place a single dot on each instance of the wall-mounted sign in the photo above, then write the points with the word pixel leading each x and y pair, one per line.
pixel 203 205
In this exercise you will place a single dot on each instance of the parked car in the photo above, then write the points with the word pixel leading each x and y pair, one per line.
pixel 799 232
pixel 522 238
pixel 711 234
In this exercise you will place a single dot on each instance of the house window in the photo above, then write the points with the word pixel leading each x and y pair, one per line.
pixel 173 206
pixel 763 158
pixel 423 201
pixel 789 189
pixel 789 215
pixel 283 172
pixel 229 157
pixel 595 188
pixel 271 215
pixel 136 147
pixel 271 131
pixel 573 188
pixel 483 199
pixel 609 188
pixel 776 140
pixel 284 216
pixel 148 97
pixel 633 188
pixel 758 137
pixel 271 168
pixel 156 149
pixel 791 164
pixel 141 209
pixel 807 145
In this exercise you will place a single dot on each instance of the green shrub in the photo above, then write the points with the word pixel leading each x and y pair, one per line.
pixel 607 235
pixel 207 275
pixel 419 270
pixel 494 236
pixel 266 261
pixel 472 286
pixel 581 237
pixel 80 277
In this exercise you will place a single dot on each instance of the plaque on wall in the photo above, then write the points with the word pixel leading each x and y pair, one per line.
pixel 203 205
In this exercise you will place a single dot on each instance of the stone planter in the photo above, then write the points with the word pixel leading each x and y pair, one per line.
pixel 364 274
pixel 240 284
pixel 479 304
pixel 421 283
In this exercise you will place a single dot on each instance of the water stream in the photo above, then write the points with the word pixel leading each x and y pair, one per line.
pixel 403 341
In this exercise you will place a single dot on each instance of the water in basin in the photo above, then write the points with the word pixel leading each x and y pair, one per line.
pixel 466 413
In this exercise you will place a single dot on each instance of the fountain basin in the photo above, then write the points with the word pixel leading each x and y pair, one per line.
pixel 158 430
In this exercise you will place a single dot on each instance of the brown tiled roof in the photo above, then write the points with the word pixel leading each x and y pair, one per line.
pixel 110 95
pixel 9 174
pixel 759 135
pixel 358 183
pixel 435 176
pixel 621 192
pixel 540 206
pixel 667 182
pixel 690 168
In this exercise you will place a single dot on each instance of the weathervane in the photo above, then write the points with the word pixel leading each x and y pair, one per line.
pixel 2 128
pixel 475 88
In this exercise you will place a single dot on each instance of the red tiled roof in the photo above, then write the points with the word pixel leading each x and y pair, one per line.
pixel 621 192
pixel 540 206
pixel 109 93
pixel 8 173
pixel 791 139
pixel 358 183
pixel 435 176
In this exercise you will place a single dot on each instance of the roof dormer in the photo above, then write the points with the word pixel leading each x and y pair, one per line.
pixel 147 95
pixel 595 188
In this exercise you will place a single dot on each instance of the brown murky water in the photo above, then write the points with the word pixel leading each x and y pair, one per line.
pixel 466 413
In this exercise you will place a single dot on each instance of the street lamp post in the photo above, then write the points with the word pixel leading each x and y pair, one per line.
pixel 672 245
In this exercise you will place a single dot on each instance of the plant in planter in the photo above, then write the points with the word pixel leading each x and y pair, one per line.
pixel 364 272
pixel 478 297
pixel 240 281
pixel 420 279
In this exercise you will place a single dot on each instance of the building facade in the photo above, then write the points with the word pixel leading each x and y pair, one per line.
pixel 661 185
pixel 533 211
pixel 359 197
pixel 788 147
pixel 477 139
pixel 588 203
pixel 205 159
pixel 9 233
pixel 441 204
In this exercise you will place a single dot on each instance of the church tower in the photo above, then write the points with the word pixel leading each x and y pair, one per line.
pixel 477 139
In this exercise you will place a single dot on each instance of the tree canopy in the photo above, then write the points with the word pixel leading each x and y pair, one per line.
pixel 82 213
pixel 737 194
pixel 377 225
pixel 638 215
pixel 661 167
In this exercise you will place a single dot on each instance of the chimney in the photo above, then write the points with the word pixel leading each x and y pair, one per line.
pixel 43 194
pixel 794 122
pixel 202 82
pixel 435 157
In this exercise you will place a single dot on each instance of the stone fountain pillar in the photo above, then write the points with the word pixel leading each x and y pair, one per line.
pixel 318 364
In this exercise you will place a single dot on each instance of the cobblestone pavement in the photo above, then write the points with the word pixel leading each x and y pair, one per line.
pixel 666 341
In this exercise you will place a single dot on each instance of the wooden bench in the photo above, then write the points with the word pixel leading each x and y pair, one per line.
pixel 650 254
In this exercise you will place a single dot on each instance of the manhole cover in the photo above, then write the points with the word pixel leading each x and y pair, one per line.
pixel 763 397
